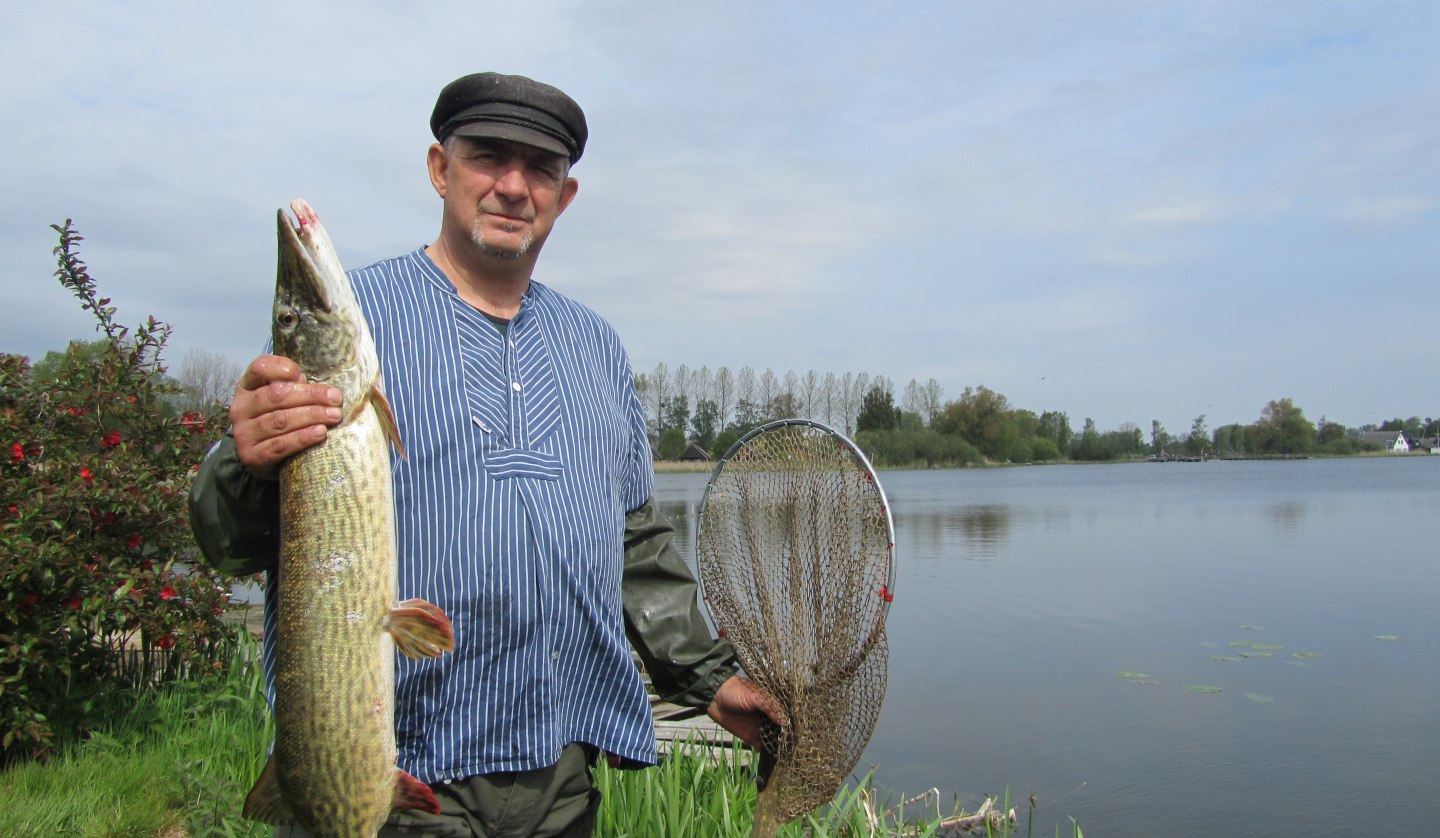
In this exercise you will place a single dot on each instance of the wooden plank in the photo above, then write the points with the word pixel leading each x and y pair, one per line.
pixel 699 736
pixel 687 727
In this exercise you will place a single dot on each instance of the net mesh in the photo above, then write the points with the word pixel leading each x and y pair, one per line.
pixel 794 550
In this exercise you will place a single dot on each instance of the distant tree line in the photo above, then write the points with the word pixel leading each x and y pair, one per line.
pixel 918 427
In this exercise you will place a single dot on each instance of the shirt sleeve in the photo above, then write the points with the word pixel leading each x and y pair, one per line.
pixel 235 514
pixel 663 622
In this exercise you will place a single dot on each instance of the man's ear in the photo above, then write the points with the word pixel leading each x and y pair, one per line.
pixel 438 164
pixel 567 193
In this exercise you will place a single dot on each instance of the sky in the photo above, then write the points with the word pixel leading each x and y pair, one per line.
pixel 1126 211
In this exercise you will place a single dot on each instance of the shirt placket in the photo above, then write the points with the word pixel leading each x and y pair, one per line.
pixel 515 334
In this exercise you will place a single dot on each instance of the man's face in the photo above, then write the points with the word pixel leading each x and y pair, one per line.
pixel 504 194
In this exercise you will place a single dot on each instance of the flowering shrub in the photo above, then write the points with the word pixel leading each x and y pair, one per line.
pixel 101 590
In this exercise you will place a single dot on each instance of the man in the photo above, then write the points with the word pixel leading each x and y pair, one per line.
pixel 523 507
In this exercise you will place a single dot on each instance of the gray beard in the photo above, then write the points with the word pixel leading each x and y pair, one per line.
pixel 500 252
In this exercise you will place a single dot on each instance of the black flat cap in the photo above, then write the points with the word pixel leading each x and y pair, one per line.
pixel 510 108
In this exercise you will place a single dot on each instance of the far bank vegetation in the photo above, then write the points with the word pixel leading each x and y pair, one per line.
pixel 692 411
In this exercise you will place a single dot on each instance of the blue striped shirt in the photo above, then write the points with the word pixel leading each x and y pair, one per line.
pixel 525 451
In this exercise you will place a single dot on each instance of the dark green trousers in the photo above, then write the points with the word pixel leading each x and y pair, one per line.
pixel 558 801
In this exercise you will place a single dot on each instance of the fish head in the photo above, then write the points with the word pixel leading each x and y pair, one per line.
pixel 317 322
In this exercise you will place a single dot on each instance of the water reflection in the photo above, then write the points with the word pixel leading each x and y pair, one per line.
pixel 1287 516
pixel 984 529
pixel 682 517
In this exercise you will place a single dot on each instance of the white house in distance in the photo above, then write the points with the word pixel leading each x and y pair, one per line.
pixel 1393 442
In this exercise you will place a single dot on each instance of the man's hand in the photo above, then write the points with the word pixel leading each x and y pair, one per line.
pixel 276 413
pixel 739 706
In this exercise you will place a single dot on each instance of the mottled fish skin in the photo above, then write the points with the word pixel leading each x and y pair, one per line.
pixel 333 766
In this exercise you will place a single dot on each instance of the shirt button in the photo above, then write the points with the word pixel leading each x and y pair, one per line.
pixel 555 655
pixel 515 385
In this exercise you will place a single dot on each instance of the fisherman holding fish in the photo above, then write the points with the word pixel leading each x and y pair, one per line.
pixel 522 503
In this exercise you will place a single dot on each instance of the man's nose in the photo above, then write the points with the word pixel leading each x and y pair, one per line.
pixel 510 181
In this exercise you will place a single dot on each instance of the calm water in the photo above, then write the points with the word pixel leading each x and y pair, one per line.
pixel 1021 592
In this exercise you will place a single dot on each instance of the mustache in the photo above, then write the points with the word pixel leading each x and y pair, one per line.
pixel 526 215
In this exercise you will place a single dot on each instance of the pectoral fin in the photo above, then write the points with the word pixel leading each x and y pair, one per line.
pixel 410 793
pixel 420 629
pixel 381 405
pixel 266 802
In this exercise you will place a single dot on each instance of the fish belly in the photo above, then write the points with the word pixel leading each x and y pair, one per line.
pixel 334 660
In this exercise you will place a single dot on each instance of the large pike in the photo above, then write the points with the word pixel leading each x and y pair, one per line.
pixel 333 766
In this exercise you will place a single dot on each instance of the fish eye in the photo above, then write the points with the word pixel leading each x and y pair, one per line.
pixel 286 318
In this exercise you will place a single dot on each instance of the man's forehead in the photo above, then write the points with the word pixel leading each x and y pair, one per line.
pixel 512 147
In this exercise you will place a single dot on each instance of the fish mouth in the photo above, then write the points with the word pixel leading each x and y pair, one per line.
pixel 299 276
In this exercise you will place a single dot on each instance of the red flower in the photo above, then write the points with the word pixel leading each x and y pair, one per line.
pixel 75 411
pixel 111 439
pixel 17 453
pixel 74 603
pixel 166 642
pixel 194 421
pixel 15 510
pixel 87 475
pixel 167 592
pixel 134 542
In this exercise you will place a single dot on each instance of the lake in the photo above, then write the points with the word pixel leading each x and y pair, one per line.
pixel 1061 630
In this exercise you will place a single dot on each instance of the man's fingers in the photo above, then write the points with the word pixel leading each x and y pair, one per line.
pixel 273 396
pixel 276 414
pixel 292 411
pixel 767 704
pixel 267 368
pixel 265 455
pixel 770 706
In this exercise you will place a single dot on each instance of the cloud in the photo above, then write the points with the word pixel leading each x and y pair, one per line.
pixel 1132 193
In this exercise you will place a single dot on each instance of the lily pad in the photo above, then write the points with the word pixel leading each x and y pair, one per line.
pixel 1389 637
pixel 1197 688
pixel 1223 658
pixel 1252 644
pixel 1257 654
pixel 1263 699
pixel 1253 628
pixel 1307 656
pixel 1131 676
